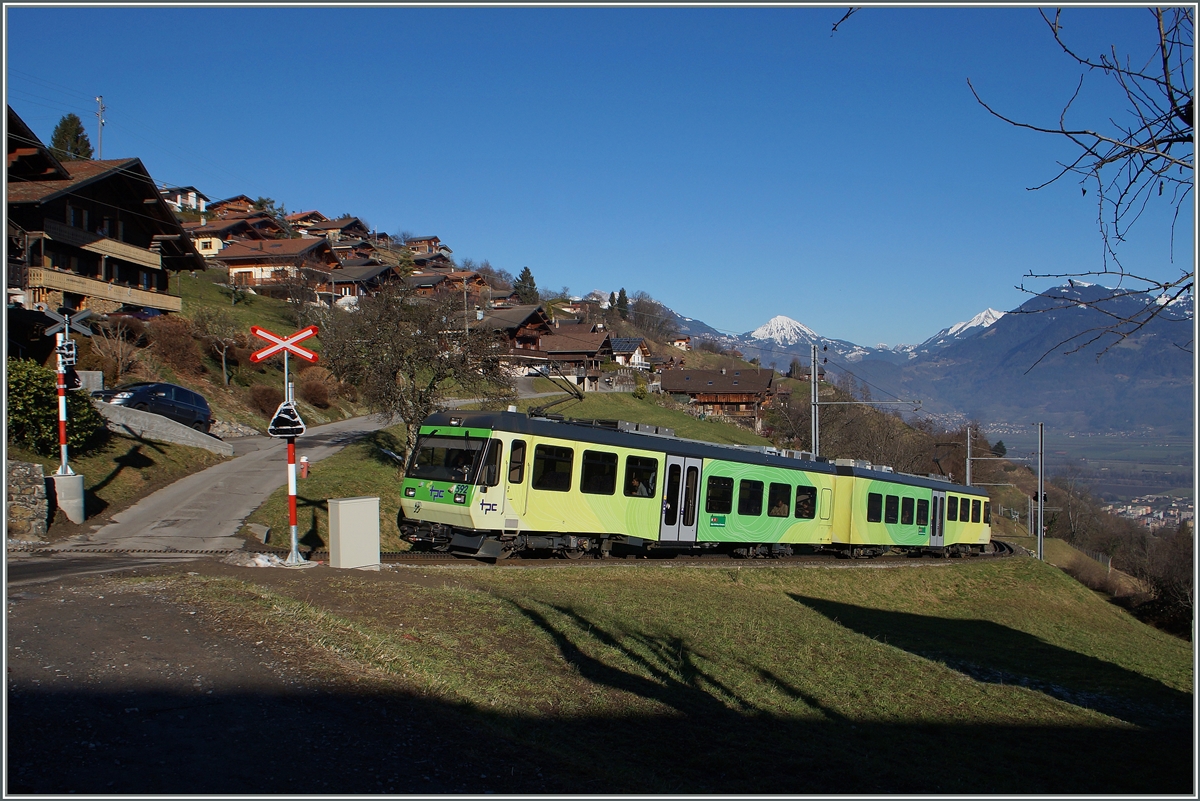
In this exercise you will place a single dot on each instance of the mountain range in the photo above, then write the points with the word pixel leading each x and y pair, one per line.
pixel 1034 363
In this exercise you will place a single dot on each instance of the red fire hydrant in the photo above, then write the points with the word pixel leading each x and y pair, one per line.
pixel 303 467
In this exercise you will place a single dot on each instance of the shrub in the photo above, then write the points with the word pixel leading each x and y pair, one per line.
pixel 348 391
pixel 316 393
pixel 266 398
pixel 172 339
pixel 33 412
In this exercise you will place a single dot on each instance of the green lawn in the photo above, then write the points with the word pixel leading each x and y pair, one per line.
pixel 123 471
pixel 1008 676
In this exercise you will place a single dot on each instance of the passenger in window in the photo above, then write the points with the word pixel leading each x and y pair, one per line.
pixel 780 509
pixel 638 488
pixel 804 507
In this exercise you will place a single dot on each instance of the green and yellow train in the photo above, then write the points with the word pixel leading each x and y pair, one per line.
pixel 491 484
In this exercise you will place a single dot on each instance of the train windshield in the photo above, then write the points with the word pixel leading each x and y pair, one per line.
pixel 446 458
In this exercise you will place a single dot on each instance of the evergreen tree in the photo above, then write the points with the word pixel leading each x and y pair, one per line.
pixel 999 448
pixel 612 300
pixel 623 304
pixel 526 287
pixel 69 141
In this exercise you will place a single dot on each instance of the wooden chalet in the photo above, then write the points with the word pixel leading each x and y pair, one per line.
pixel 238 204
pixel 211 236
pixel 429 284
pixel 631 352
pixel 280 264
pixel 579 355
pixel 302 219
pixel 89 234
pixel 184 197
pixel 734 393
pixel 426 245
pixel 342 228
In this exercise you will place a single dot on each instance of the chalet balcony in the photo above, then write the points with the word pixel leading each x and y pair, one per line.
pixel 102 245
pixel 62 281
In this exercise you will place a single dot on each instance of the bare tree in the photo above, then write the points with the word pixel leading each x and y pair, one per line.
pixel 407 353
pixel 118 344
pixel 219 331
pixel 651 318
pixel 1130 161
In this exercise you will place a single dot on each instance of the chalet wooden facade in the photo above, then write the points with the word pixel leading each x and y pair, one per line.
pixel 89 234
pixel 281 263
pixel 238 204
pixel 734 393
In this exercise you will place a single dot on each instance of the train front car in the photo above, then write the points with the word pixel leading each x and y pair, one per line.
pixel 902 512
pixel 450 490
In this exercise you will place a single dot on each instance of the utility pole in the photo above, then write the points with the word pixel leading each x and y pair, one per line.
pixel 100 108
pixel 816 423
pixel 968 454
pixel 1041 498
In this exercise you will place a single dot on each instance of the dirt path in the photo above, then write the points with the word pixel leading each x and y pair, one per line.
pixel 113 689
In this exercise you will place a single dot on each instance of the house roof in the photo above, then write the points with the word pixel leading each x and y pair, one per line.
pixel 335 225
pixel 270 248
pixel 28 158
pixel 738 381
pixel 300 215
pixel 627 344
pixel 514 317
pixel 560 342
pixel 225 200
pixel 415 281
pixel 81 174
pixel 361 272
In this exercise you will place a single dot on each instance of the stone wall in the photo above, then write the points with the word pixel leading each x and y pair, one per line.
pixel 28 507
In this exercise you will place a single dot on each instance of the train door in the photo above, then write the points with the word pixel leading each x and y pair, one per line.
pixel 937 520
pixel 515 484
pixel 681 495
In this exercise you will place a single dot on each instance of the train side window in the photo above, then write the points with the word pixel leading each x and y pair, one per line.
pixel 779 500
pixel 516 462
pixel 599 473
pixel 987 512
pixel 806 502
pixel 691 486
pixel 922 513
pixel 964 510
pixel 975 507
pixel 489 473
pixel 719 498
pixel 874 507
pixel 671 495
pixel 891 509
pixel 750 494
pixel 952 509
pixel 552 468
pixel 643 471
pixel 906 511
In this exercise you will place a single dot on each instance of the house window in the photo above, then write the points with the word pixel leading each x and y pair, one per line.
pixel 806 502
pixel 599 473
pixel 719 500
pixel 552 468
pixel 750 497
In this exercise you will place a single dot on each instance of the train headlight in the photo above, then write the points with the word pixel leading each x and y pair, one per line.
pixel 410 492
pixel 460 497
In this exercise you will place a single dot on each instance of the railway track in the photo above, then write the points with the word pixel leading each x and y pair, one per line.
pixel 998 550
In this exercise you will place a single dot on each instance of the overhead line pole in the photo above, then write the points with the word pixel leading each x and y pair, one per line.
pixel 1041 498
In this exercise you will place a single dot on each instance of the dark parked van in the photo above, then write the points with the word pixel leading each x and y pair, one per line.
pixel 176 403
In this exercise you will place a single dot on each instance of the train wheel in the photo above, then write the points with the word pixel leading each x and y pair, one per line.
pixel 574 554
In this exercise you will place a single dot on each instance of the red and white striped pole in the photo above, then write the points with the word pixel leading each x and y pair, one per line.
pixel 294 558
pixel 60 340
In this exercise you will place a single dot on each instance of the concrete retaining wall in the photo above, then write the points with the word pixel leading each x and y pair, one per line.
pixel 146 425
pixel 28 506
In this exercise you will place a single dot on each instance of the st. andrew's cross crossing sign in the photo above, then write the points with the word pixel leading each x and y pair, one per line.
pixel 283 345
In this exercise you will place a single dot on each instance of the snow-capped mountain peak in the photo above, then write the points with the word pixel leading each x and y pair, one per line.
pixel 984 319
pixel 784 331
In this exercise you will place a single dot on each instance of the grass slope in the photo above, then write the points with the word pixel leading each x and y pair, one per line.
pixel 962 677
pixel 121 473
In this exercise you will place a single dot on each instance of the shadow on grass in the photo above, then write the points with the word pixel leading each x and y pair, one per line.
pixel 990 652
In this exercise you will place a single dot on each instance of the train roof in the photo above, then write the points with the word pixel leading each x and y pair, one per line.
pixel 587 431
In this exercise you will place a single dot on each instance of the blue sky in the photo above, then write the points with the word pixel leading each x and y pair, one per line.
pixel 734 163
